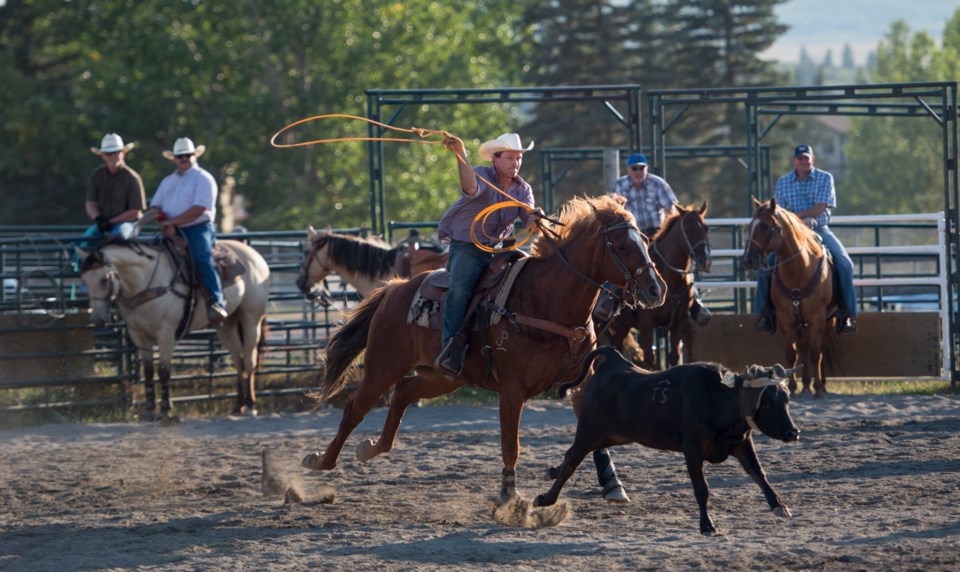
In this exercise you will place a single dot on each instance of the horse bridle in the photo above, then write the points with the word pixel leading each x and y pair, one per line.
pixel 628 275
pixel 113 279
pixel 775 229
pixel 686 240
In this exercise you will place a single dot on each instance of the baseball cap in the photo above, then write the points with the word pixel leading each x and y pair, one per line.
pixel 803 149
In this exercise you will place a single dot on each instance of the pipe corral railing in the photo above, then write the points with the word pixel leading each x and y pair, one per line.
pixel 51 357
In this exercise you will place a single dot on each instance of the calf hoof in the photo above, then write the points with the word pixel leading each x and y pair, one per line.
pixel 542 500
pixel 616 494
pixel 313 461
pixel 782 511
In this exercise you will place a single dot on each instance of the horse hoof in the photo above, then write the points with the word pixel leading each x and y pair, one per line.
pixel 782 511
pixel 251 412
pixel 367 450
pixel 616 495
pixel 313 461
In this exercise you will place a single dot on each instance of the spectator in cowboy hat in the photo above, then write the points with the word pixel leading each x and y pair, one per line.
pixel 467 261
pixel 115 197
pixel 187 200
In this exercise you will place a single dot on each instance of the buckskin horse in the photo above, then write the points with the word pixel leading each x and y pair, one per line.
pixel 801 287
pixel 682 238
pixel 154 299
pixel 543 339
pixel 365 263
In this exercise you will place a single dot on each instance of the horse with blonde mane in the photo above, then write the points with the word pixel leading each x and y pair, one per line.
pixel 802 287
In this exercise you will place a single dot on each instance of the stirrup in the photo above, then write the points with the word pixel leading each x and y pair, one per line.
pixel 449 360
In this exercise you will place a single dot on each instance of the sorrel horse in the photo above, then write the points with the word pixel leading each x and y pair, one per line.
pixel 544 339
pixel 155 302
pixel 683 238
pixel 801 287
pixel 365 263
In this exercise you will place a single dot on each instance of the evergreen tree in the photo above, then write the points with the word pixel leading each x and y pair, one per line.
pixel 848 62
pixel 806 73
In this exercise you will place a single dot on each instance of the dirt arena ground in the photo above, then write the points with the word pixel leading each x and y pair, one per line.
pixel 874 484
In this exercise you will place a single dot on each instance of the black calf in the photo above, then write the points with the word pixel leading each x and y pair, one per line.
pixel 701 410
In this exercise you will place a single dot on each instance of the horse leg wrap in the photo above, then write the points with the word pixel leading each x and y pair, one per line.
pixel 508 484
pixel 607 476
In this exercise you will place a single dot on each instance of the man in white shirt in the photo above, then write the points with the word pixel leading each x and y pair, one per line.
pixel 187 199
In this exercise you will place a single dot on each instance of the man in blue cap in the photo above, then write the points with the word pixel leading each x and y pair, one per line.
pixel 809 193
pixel 650 200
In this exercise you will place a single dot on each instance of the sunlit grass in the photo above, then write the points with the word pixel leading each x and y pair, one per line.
pixel 891 387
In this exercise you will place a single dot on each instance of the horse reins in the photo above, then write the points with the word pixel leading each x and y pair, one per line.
pixel 775 228
pixel 690 246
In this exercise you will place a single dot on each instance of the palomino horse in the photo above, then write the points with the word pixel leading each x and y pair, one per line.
pixel 543 339
pixel 365 263
pixel 154 301
pixel 683 237
pixel 801 286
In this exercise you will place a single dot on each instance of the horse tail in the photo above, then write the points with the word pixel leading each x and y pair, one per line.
pixel 349 341
pixel 606 350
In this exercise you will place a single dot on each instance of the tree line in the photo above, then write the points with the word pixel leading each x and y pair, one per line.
pixel 230 73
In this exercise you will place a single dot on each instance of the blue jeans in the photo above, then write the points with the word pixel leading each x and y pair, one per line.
pixel 94 237
pixel 201 239
pixel 465 265
pixel 841 262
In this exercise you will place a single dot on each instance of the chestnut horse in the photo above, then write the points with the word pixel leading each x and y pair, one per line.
pixel 801 287
pixel 683 238
pixel 365 263
pixel 545 336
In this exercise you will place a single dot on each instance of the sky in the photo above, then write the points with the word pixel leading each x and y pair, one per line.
pixel 819 25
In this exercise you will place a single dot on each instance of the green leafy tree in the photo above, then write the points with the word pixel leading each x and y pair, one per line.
pixel 229 74
pixel 896 163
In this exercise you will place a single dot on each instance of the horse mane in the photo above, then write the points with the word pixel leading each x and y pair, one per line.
pixel 671 219
pixel 369 256
pixel 580 218
pixel 796 226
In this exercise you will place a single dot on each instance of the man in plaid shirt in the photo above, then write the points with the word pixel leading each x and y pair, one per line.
pixel 650 200
pixel 809 193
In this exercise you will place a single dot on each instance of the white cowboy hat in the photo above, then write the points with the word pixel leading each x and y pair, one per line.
pixel 506 142
pixel 184 146
pixel 112 143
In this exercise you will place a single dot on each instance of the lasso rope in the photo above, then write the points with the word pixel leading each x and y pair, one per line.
pixel 481 217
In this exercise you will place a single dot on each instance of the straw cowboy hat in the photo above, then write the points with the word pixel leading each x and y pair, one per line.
pixel 184 146
pixel 506 142
pixel 112 143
